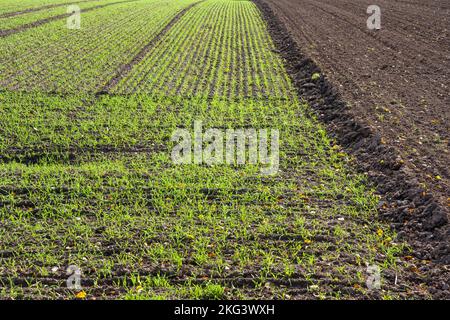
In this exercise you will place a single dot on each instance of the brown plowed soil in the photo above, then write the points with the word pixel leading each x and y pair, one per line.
pixel 395 80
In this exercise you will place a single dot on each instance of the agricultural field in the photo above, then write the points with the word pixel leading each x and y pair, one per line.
pixel 88 178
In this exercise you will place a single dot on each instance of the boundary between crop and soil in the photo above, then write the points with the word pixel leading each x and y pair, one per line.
pixel 127 67
pixel 416 215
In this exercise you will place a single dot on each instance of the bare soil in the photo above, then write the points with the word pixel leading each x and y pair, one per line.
pixel 396 80
pixel 384 96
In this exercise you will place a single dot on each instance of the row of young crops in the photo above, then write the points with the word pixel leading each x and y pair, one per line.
pixel 10 7
pixel 178 63
pixel 27 18
pixel 217 49
pixel 88 180
pixel 53 58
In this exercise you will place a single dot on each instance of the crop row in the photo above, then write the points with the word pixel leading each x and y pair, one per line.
pixel 13 6
pixel 33 124
pixel 136 215
pixel 239 60
pixel 26 18
pixel 220 49
pixel 54 58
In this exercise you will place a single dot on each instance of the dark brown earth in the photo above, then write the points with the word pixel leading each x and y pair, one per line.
pixel 396 80
pixel 384 96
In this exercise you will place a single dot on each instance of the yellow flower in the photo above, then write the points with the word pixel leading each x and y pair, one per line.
pixel 81 295
pixel 379 232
